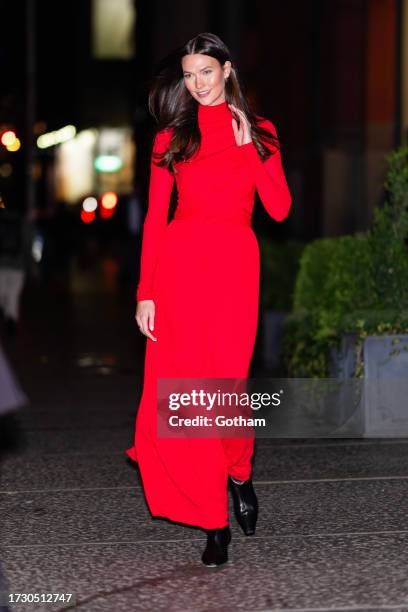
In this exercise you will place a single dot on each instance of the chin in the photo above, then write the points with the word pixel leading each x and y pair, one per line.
pixel 206 102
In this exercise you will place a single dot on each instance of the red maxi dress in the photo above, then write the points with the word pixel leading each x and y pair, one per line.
pixel 202 271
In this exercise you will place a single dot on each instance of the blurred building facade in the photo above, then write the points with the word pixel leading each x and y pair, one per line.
pixel 330 75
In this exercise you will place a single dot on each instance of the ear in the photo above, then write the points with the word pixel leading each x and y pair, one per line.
pixel 227 69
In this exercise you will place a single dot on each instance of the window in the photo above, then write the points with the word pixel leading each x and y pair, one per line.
pixel 113 24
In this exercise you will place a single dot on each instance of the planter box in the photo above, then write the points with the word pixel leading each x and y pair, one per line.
pixel 383 407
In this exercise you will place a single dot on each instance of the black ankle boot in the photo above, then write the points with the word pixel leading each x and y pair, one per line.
pixel 245 505
pixel 216 551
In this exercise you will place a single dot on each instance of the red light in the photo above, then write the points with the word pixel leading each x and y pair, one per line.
pixel 8 138
pixel 87 217
pixel 109 200
pixel 106 213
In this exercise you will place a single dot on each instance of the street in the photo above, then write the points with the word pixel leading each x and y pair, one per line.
pixel 332 532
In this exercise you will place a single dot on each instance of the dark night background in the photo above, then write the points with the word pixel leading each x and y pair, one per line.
pixel 327 73
pixel 331 75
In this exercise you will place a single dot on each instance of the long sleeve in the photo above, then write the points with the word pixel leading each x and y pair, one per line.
pixel 155 223
pixel 270 178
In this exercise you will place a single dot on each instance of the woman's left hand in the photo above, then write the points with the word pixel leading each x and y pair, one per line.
pixel 242 128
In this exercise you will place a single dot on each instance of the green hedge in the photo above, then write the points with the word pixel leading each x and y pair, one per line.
pixel 279 268
pixel 352 284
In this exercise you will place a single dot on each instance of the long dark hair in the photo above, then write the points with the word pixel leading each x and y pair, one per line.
pixel 172 105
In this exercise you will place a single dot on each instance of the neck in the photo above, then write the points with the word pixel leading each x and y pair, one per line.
pixel 213 112
pixel 223 103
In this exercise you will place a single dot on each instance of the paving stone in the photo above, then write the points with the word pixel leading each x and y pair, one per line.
pixel 110 468
pixel 121 514
pixel 333 523
pixel 338 572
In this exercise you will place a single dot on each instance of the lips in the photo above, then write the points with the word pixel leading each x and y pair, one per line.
pixel 203 94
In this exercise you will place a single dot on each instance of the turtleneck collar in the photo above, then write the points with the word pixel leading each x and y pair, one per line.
pixel 209 114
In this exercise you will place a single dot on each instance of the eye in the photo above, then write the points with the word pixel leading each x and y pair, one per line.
pixel 207 71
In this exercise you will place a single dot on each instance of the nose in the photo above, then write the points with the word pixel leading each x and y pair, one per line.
pixel 198 82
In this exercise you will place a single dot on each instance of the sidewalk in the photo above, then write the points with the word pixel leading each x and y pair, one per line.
pixel 333 525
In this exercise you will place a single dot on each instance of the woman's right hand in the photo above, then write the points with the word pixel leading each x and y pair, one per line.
pixel 145 311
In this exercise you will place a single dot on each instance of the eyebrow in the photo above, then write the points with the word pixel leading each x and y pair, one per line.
pixel 205 67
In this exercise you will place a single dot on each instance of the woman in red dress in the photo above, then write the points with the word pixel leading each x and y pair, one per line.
pixel 197 297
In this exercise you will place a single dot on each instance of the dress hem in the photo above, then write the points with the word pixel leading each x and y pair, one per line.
pixel 131 453
pixel 184 523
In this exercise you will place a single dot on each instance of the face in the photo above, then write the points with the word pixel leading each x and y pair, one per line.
pixel 204 78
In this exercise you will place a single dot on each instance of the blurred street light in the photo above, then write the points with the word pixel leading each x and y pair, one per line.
pixel 56 137
pixel 108 163
pixel 109 200
pixel 15 146
pixel 87 217
pixel 8 138
pixel 90 204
